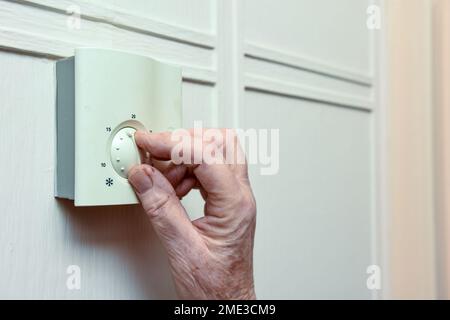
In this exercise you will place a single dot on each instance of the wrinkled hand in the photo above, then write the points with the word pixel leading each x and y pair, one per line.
pixel 211 257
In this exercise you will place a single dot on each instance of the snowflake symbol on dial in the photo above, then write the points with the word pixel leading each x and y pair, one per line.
pixel 109 182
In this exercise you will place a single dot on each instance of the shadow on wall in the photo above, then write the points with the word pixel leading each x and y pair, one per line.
pixel 123 231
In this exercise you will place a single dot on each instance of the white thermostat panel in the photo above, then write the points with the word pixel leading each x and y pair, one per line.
pixel 103 97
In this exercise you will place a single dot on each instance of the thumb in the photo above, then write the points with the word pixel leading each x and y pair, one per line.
pixel 166 213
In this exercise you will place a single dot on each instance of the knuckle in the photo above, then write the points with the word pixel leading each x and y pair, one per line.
pixel 247 204
pixel 158 206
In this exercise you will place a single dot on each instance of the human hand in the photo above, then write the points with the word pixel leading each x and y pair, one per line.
pixel 211 257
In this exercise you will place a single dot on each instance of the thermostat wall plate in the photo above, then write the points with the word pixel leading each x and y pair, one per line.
pixel 103 97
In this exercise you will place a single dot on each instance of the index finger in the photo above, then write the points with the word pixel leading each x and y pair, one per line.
pixel 159 145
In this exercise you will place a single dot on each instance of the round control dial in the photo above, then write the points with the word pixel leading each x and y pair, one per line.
pixel 124 152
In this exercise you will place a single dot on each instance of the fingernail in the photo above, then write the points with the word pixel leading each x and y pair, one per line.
pixel 141 134
pixel 137 137
pixel 140 180
pixel 138 133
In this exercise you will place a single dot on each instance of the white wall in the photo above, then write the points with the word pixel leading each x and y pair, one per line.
pixel 305 67
pixel 315 216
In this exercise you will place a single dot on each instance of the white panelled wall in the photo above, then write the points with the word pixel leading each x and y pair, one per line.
pixel 304 67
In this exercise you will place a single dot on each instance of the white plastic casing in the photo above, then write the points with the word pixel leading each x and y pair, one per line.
pixel 115 94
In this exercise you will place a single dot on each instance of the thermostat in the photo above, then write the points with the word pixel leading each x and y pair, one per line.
pixel 103 98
